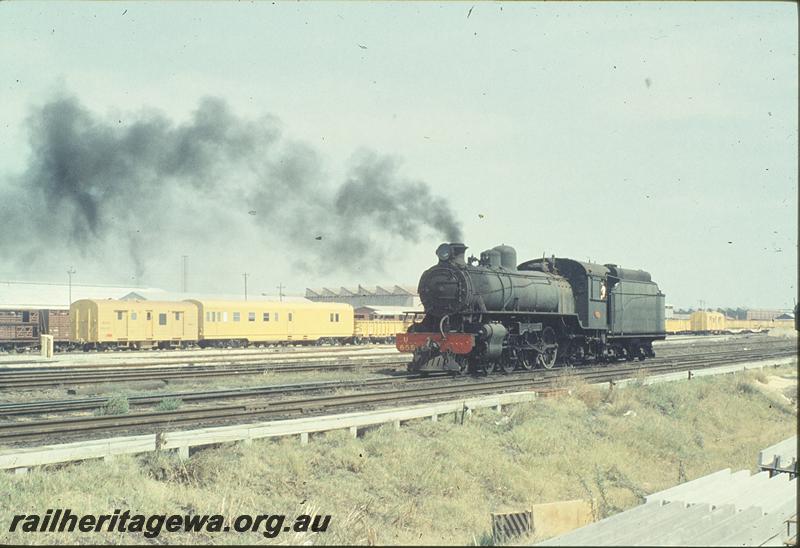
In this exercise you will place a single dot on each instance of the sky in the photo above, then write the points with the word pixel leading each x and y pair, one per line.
pixel 340 143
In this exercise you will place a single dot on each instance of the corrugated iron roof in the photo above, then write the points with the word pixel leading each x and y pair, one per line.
pixel 160 295
pixel 362 290
pixel 16 294
pixel 381 310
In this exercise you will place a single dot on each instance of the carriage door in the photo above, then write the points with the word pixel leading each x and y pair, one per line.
pixel 176 330
pixel 148 325
pixel 120 325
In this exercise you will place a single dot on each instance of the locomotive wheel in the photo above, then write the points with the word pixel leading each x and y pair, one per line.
pixel 547 359
pixel 526 362
pixel 507 366
pixel 488 368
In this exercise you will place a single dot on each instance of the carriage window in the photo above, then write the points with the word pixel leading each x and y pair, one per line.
pixel 149 315
pixel 177 316
pixel 337 316
pixel 331 316
pixel 236 316
pixel 276 316
pixel 251 316
pixel 134 315
pixel 208 316
pixel 290 316
pixel 224 316
pixel 162 319
pixel 119 314
pixel 266 316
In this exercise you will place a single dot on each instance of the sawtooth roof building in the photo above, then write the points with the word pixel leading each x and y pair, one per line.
pixel 380 295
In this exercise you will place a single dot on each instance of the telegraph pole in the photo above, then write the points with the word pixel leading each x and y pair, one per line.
pixel 280 292
pixel 70 272
pixel 245 275
pixel 184 272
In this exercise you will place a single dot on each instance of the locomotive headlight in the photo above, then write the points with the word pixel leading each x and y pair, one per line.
pixel 443 252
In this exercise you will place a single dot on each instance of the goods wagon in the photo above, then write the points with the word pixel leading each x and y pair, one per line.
pixel 239 323
pixel 22 328
pixel 105 323
pixel 674 326
pixel 704 321
pixel 378 330
pixel 738 326
pixel 380 324
pixel 19 328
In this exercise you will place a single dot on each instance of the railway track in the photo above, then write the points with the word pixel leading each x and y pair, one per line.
pixel 228 356
pixel 142 358
pixel 420 390
pixel 28 378
pixel 84 404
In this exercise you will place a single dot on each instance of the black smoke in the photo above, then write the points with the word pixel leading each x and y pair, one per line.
pixel 144 181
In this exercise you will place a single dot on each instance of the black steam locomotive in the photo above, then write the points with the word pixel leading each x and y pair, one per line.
pixel 489 313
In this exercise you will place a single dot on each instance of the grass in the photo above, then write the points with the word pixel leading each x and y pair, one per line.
pixel 433 483
pixel 117 404
pixel 169 404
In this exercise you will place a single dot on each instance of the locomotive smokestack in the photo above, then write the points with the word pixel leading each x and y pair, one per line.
pixel 451 252
pixel 458 249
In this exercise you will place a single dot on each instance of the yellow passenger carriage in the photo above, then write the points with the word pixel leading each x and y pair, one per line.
pixel 239 323
pixel 116 323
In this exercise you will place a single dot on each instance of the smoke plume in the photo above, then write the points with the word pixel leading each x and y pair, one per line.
pixel 148 183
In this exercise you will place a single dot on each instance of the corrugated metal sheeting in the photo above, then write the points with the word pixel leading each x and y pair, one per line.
pixel 161 295
pixel 721 509
pixel 55 296
pixel 385 295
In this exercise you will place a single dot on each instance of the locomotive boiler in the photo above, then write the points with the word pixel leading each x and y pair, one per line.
pixel 489 313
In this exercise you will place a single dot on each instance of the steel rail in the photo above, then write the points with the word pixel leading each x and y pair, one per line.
pixel 26 379
pixel 20 431
pixel 61 378
pixel 56 406
pixel 232 357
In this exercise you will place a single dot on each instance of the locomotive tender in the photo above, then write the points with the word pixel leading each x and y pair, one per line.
pixel 488 313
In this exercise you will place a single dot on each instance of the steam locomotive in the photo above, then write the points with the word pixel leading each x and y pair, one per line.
pixel 488 313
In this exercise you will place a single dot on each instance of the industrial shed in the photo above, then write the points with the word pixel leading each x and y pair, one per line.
pixel 374 312
pixel 161 295
pixel 56 296
pixel 380 295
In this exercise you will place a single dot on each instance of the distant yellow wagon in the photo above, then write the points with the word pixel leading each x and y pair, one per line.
pixel 674 326
pixel 380 324
pixel 239 323
pixel 102 323
pixel 707 322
